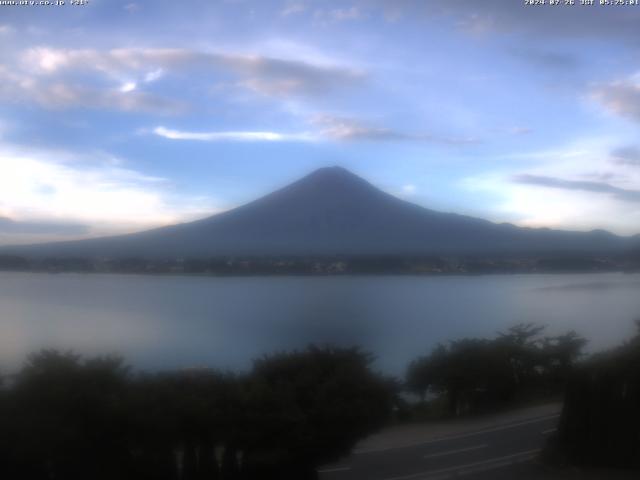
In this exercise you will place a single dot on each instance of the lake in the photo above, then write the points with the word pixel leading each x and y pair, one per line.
pixel 160 322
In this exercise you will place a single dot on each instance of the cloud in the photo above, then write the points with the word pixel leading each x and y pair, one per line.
pixel 557 61
pixel 277 77
pixel 264 75
pixel 579 185
pixel 345 14
pixel 620 97
pixel 238 136
pixel 328 16
pixel 293 9
pixel 349 129
pixel 153 75
pixel 409 189
pixel 525 204
pixel 585 186
pixel 48 193
pixel 326 128
pixel 132 7
pixel 128 87
pixel 127 99
pixel 51 93
pixel 340 128
pixel 628 155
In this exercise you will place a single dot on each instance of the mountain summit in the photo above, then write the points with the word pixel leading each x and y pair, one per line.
pixel 333 212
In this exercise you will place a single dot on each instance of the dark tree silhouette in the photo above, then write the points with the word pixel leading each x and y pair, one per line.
pixel 178 420
pixel 312 407
pixel 600 422
pixel 66 418
pixel 69 418
pixel 481 374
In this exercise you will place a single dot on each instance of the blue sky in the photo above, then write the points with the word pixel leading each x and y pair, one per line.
pixel 117 116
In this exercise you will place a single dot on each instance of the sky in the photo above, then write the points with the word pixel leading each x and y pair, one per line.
pixel 117 116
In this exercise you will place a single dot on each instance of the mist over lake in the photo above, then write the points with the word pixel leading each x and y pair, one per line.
pixel 160 322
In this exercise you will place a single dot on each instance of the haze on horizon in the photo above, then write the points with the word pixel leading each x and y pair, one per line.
pixel 109 124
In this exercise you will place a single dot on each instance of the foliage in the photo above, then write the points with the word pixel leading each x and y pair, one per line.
pixel 480 374
pixel 68 417
pixel 600 422
pixel 314 406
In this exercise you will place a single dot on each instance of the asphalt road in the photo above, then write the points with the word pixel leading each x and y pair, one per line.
pixel 499 452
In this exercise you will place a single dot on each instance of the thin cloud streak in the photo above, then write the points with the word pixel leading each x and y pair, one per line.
pixel 349 129
pixel 627 156
pixel 580 185
pixel 239 136
pixel 327 129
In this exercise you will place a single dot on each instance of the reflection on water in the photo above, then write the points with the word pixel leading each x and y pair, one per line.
pixel 171 321
pixel 609 284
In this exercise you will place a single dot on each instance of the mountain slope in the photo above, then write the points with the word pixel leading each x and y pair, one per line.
pixel 333 212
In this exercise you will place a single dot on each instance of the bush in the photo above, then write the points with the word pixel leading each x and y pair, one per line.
pixel 600 423
pixel 73 418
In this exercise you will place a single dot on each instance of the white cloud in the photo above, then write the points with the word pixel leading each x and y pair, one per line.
pixel 325 128
pixel 48 60
pixel 580 186
pixel 239 136
pixel 56 93
pixel 153 75
pixel 128 87
pixel 63 187
pixel 268 76
pixel 409 189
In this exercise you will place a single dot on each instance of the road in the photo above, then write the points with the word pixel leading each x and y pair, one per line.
pixel 507 450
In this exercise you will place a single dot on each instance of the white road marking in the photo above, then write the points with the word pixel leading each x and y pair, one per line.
pixel 457 437
pixel 460 470
pixel 453 452
pixel 547 432
pixel 336 469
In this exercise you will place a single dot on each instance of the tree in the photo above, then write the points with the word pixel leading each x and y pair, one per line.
pixel 66 418
pixel 560 353
pixel 521 345
pixel 600 422
pixel 180 419
pixel 469 372
pixel 311 407
pixel 479 374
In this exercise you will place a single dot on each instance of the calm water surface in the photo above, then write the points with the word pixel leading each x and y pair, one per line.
pixel 172 321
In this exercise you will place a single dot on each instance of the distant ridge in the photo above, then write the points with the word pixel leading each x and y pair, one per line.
pixel 332 212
